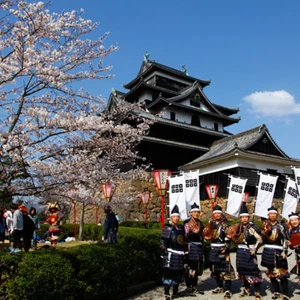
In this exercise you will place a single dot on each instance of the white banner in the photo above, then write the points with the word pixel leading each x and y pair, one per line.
pixel 192 193
pixel 265 193
pixel 297 178
pixel 235 195
pixel 290 200
pixel 177 195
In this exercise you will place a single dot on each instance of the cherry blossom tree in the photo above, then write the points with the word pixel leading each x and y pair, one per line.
pixel 54 135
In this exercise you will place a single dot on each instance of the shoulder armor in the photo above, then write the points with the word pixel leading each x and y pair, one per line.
pixel 166 233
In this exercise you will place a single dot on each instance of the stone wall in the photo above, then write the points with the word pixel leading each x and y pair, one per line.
pixel 127 203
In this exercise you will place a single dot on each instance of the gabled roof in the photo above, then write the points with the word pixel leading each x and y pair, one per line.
pixel 243 142
pixel 162 102
pixel 151 66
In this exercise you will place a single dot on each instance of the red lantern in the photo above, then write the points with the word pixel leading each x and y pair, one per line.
pixel 161 180
pixel 212 191
pixel 108 191
pixel 145 199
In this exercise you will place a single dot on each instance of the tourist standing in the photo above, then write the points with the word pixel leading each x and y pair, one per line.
pixel 17 228
pixel 28 228
pixel 2 226
pixel 219 256
pixel 173 248
pixel 111 226
pixel 36 222
pixel 274 256
pixel 193 229
pixel 9 223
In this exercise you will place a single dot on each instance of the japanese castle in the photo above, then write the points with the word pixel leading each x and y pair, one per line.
pixel 190 132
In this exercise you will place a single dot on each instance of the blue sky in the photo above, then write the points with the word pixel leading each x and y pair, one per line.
pixel 250 50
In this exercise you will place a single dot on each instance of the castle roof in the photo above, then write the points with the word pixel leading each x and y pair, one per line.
pixel 151 66
pixel 250 143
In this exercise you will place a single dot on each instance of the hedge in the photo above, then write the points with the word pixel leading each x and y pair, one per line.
pixel 92 271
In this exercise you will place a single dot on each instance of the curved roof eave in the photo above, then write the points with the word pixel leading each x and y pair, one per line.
pixel 173 143
pixel 230 111
pixel 152 87
pixel 190 91
pixel 222 116
pixel 275 144
pixel 166 68
pixel 190 127
pixel 242 153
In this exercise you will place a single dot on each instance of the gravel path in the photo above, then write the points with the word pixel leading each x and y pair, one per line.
pixel 207 284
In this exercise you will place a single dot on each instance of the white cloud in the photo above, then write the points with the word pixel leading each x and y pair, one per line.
pixel 276 103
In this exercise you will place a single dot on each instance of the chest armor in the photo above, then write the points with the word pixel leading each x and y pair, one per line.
pixel 218 232
pixel 196 236
pixel 53 219
pixel 176 240
pixel 249 238
pixel 275 236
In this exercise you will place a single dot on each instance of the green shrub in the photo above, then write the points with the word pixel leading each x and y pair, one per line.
pixel 43 276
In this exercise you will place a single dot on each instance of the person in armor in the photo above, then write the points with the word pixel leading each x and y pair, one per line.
pixel 294 241
pixel 247 237
pixel 173 248
pixel 274 256
pixel 54 220
pixel 193 229
pixel 219 256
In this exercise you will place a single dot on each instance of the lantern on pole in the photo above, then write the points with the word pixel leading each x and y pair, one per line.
pixel 108 190
pixel 71 192
pixel 146 196
pixel 161 180
pixel 246 197
pixel 212 192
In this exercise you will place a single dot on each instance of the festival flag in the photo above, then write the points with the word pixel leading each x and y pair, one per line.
pixel 290 200
pixel 177 195
pixel 235 195
pixel 192 193
pixel 265 193
pixel 297 177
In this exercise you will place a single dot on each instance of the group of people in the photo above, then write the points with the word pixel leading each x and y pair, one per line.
pixel 183 258
pixel 19 225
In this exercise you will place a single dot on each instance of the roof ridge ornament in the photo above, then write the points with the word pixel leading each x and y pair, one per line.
pixel 146 57
pixel 184 70
pixel 113 91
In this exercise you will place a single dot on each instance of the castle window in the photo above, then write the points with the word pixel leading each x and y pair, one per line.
pixel 195 121
pixel 172 116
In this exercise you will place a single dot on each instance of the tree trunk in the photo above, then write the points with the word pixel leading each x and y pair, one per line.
pixel 81 224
